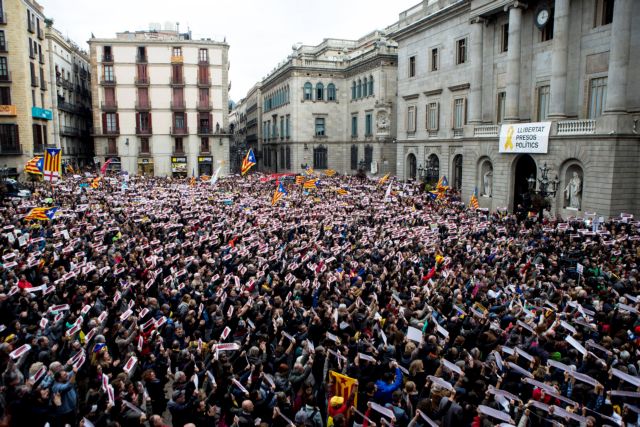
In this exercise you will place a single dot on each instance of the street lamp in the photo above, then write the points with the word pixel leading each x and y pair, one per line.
pixel 546 189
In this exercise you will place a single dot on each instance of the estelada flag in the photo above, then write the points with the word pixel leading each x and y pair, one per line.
pixel 35 165
pixel 52 164
pixel 343 386
pixel 300 179
pixel 248 162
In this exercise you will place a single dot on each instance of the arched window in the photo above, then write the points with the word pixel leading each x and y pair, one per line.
pixel 365 86
pixel 353 90
pixel 370 85
pixel 433 169
pixel 319 92
pixel 287 95
pixel 359 88
pixel 354 157
pixel 307 91
pixel 331 92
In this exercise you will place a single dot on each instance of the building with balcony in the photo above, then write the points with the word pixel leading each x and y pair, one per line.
pixel 25 98
pixel 160 102
pixel 489 91
pixel 330 106
pixel 70 79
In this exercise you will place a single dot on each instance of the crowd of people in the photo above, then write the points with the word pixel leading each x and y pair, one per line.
pixel 159 302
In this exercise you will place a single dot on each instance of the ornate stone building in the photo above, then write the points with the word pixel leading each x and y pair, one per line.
pixel 330 106
pixel 477 78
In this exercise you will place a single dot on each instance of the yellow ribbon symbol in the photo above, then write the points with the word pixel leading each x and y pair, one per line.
pixel 508 145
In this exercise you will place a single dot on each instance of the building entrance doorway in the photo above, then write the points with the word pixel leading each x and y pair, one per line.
pixel 412 164
pixel 525 168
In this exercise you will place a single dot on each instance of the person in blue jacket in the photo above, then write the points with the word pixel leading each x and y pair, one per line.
pixel 387 385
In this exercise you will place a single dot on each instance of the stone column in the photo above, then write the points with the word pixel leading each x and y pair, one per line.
pixel 512 103
pixel 619 58
pixel 475 93
pixel 557 104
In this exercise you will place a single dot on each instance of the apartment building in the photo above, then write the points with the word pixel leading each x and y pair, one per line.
pixel 160 100
pixel 329 106
pixel 478 80
pixel 70 77
pixel 25 101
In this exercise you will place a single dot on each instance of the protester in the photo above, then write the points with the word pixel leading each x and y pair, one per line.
pixel 163 302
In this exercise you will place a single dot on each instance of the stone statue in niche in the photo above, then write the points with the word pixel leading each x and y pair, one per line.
pixel 573 191
pixel 487 181
pixel 383 122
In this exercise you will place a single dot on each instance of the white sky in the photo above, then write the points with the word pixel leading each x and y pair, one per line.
pixel 260 33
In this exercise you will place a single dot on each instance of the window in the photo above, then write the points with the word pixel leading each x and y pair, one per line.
pixel 179 147
pixel 141 55
pixel 286 127
pixel 604 12
pixel 411 118
pixel 459 112
pixel 504 37
pixel 34 79
pixel 502 97
pixel 281 127
pixel 368 157
pixel 179 120
pixel 320 157
pixel 354 126
pixel 9 140
pixel 111 120
pixel 3 40
pixel 365 87
pixel 353 90
pixel 546 33
pixel 354 157
pixel 288 158
pixel 359 88
pixel 543 102
pixel 307 91
pixel 319 91
pixel 107 56
pixel 434 59
pixel 597 96
pixel 412 66
pixel 5 96
pixel 4 68
pixel 433 116
pixel 32 54
pixel 144 145
pixel 177 51
pixel 108 73
pixel 204 121
pixel 461 51
pixel 320 130
pixel 112 146
pixel 331 92
pixel 109 96
pixel 203 55
pixel 43 84
pixel 204 145
pixel 39 137
pixel 274 128
pixel 368 124
pixel 370 85
pixel 144 121
pixel 142 73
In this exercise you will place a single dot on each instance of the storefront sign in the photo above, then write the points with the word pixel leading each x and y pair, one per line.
pixel 8 110
pixel 525 137
pixel 205 159
pixel 179 164
pixel 41 113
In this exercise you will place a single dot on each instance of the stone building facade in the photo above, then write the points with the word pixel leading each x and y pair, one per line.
pixel 471 69
pixel 70 72
pixel 330 106
pixel 160 103
pixel 25 91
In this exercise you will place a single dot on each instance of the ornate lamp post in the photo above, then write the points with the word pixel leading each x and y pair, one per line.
pixel 547 189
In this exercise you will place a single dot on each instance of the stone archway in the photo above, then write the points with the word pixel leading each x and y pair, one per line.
pixel 412 166
pixel 525 168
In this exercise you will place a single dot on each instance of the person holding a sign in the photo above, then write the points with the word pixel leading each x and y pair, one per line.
pixel 65 397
